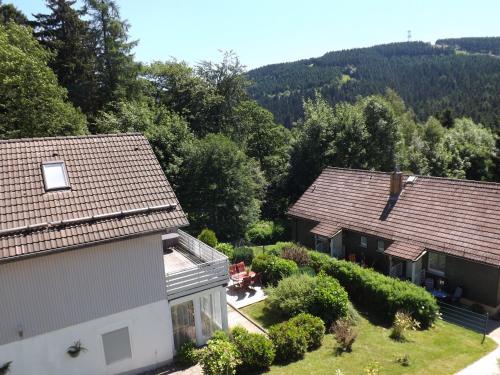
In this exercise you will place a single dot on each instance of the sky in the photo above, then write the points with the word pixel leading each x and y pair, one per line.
pixel 263 32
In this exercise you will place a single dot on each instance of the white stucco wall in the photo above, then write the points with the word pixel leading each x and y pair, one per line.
pixel 151 341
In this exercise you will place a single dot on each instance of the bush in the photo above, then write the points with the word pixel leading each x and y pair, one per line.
pixel 318 260
pixel 264 232
pixel 330 299
pixel 219 357
pixel 208 236
pixel 188 354
pixel 306 270
pixel 289 341
pixel 380 294
pixel 243 254
pixel 298 254
pixel 227 249
pixel 321 296
pixel 313 327
pixel 402 323
pixel 273 268
pixel 293 295
pixel 352 315
pixel 256 351
pixel 345 335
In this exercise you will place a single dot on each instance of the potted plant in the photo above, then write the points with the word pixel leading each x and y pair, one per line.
pixel 5 368
pixel 75 349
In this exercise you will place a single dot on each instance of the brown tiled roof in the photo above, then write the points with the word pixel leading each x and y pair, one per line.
pixel 405 250
pixel 457 217
pixel 118 189
pixel 326 229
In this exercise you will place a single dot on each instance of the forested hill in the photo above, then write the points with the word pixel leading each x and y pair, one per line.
pixel 430 78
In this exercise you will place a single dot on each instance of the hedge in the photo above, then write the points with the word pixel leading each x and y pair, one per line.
pixel 243 254
pixel 290 341
pixel 380 294
pixel 264 232
pixel 273 268
pixel 313 327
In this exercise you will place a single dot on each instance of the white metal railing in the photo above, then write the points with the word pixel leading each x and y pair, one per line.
pixel 211 272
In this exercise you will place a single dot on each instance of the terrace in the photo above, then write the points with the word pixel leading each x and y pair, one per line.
pixel 192 266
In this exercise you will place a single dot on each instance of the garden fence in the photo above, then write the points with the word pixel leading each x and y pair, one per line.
pixel 464 317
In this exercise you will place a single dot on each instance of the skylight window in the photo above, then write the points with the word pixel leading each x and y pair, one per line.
pixel 55 176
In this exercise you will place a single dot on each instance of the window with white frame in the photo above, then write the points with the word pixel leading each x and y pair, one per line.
pixel 380 246
pixel 116 345
pixel 55 176
pixel 437 263
pixel 363 241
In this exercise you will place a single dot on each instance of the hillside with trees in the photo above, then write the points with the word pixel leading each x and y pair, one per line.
pixel 436 80
pixel 71 71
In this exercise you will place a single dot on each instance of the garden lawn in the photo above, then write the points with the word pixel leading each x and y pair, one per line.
pixel 443 349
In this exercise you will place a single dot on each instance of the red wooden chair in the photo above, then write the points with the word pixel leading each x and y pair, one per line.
pixel 232 269
pixel 245 283
pixel 240 267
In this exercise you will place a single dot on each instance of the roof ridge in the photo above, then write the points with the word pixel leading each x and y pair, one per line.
pixel 457 180
pixel 63 137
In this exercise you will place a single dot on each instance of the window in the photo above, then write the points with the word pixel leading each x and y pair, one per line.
pixel 116 345
pixel 211 318
pixel 322 244
pixel 55 176
pixel 437 263
pixel 380 246
pixel 363 241
pixel 183 323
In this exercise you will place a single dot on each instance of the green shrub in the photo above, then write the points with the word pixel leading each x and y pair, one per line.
pixel 289 341
pixel 292 295
pixel 345 335
pixel 227 249
pixel 352 314
pixel 306 270
pixel 313 327
pixel 243 254
pixel 321 296
pixel 208 236
pixel 298 254
pixel 330 299
pixel 273 268
pixel 188 354
pixel 220 335
pixel 380 294
pixel 318 260
pixel 219 357
pixel 256 351
pixel 265 232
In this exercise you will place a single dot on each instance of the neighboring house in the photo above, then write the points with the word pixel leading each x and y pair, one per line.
pixel 91 251
pixel 412 227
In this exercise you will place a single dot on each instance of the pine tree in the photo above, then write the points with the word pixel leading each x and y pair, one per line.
pixel 69 37
pixel 9 12
pixel 116 69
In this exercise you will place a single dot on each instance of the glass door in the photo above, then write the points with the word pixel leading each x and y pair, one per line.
pixel 183 323
pixel 211 319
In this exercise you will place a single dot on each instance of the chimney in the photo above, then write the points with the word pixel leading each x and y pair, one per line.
pixel 396 183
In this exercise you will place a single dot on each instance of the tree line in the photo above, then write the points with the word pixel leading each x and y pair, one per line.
pixel 72 71
pixel 432 79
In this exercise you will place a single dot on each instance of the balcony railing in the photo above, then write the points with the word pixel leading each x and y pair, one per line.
pixel 210 268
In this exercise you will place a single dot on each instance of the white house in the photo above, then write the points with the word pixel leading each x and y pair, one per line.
pixel 91 255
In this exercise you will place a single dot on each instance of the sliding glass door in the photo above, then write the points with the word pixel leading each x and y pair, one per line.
pixel 183 323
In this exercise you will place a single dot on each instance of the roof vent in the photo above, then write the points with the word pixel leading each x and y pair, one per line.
pixel 411 179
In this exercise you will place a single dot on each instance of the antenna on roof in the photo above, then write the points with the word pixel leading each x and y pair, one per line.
pixel 409 36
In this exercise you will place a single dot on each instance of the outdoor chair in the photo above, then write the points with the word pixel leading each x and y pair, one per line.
pixel 240 267
pixel 457 294
pixel 245 283
pixel 352 258
pixel 429 284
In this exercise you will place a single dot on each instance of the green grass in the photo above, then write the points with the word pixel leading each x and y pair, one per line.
pixel 443 349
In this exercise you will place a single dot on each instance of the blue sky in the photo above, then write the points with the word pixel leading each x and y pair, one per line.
pixel 269 31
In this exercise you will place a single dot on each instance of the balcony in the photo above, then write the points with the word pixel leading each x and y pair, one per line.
pixel 193 266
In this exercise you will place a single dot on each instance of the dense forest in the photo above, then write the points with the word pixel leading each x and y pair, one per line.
pixel 71 71
pixel 432 79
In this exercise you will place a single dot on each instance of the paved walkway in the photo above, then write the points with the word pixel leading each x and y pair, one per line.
pixel 489 364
